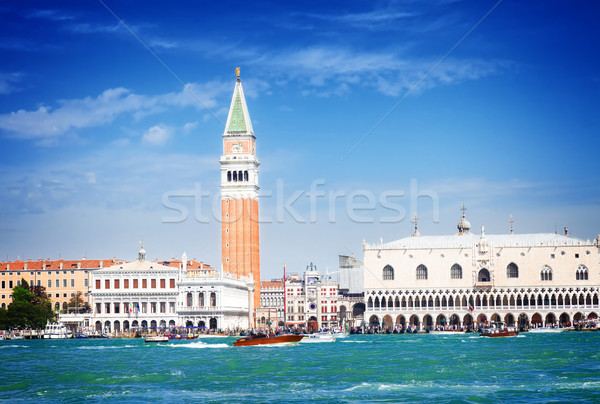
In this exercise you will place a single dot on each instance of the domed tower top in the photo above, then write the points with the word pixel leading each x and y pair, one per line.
pixel 142 254
pixel 464 227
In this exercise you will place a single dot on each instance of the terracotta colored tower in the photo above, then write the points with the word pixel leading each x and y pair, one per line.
pixel 239 194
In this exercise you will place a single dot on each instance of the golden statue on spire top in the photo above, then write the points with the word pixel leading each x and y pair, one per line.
pixel 237 72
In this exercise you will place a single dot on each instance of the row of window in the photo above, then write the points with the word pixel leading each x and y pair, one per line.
pixel 39 272
pixel 512 271
pixel 213 299
pixel 57 283
pixel 135 307
pixel 236 176
pixel 116 283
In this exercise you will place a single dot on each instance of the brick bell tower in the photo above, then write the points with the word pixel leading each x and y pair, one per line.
pixel 239 193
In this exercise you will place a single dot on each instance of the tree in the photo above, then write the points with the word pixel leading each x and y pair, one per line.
pixel 30 307
pixel 78 305
pixel 21 293
pixel 76 301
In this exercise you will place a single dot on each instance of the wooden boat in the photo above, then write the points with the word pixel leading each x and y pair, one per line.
pixel 263 339
pixel 156 338
pixel 499 330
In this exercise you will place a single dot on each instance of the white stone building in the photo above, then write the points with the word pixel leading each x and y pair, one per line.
pixel 147 294
pixel 270 313
pixel 214 299
pixel 138 294
pixel 465 278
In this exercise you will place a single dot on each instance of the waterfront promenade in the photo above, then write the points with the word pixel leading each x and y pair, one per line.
pixel 396 368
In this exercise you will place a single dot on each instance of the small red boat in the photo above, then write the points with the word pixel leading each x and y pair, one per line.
pixel 263 339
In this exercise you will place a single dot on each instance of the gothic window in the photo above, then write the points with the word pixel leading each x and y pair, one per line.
pixel 546 273
pixel 228 176
pixel 421 272
pixel 189 300
pixel 388 273
pixel 246 175
pixel 456 272
pixel 235 176
pixel 484 276
pixel 240 176
pixel 213 299
pixel 582 273
pixel 201 299
pixel 512 270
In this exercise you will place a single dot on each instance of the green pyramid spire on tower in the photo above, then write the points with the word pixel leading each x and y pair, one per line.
pixel 237 123
pixel 239 119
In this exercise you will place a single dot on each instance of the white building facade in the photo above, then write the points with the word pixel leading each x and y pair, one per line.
pixel 311 302
pixel 134 295
pixel 148 295
pixel 463 279
pixel 213 299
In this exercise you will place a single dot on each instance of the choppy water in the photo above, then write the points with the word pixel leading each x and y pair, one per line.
pixel 383 368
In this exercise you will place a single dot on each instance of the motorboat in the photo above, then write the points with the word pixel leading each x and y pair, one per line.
pixel 499 330
pixel 317 337
pixel 546 329
pixel 263 339
pixel 447 332
pixel 183 336
pixel 57 331
pixel 156 338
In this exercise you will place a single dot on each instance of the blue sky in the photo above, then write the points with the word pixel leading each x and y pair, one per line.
pixel 111 115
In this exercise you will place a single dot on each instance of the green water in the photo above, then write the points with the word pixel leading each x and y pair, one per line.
pixel 382 368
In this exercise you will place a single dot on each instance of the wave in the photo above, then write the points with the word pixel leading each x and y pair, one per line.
pixel 106 347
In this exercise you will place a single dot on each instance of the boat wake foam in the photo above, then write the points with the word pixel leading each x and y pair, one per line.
pixel 199 345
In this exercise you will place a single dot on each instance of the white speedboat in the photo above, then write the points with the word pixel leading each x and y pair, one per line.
pixel 447 332
pixel 319 337
pixel 157 338
pixel 17 335
pixel 57 331
pixel 546 329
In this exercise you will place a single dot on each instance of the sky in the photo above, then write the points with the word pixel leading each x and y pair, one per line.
pixel 365 113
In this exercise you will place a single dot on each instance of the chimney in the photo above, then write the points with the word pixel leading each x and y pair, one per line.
pixel 61 265
pixel 8 266
pixel 79 265
pixel 566 230
pixel 25 266
pixel 101 264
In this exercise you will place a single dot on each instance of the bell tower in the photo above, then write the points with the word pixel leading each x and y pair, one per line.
pixel 239 194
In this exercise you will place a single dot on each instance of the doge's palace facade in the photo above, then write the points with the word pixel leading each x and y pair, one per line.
pixel 464 278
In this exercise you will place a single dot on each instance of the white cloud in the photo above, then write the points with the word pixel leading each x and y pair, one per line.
pixel 91 178
pixel 49 122
pixel 387 72
pixel 157 135
pixel 9 81
pixel 373 18
pixel 53 15
pixel 190 126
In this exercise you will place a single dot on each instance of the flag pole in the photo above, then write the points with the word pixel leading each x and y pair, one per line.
pixel 284 300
